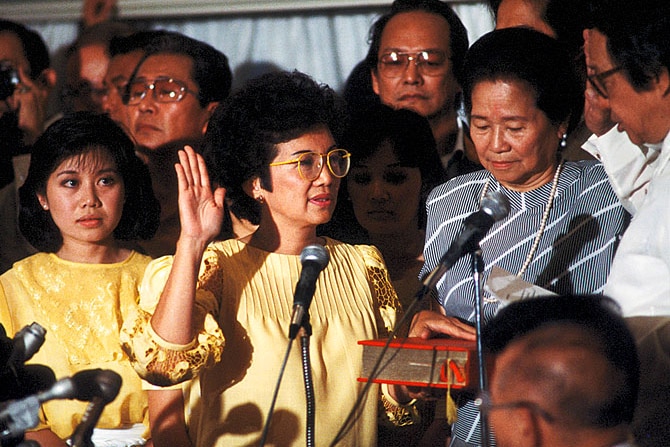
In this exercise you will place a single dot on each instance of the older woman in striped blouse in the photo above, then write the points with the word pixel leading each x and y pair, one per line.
pixel 564 221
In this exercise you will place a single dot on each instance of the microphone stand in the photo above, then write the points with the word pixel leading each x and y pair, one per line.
pixel 477 270
pixel 305 333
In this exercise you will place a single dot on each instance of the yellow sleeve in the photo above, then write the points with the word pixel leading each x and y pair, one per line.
pixel 156 360
pixel 5 317
pixel 383 293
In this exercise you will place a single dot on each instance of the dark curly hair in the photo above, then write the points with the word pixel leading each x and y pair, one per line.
pixel 71 136
pixel 458 35
pixel 526 55
pixel 274 108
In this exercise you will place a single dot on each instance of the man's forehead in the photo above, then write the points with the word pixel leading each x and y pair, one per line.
pixel 11 48
pixel 598 55
pixel 163 64
pixel 417 28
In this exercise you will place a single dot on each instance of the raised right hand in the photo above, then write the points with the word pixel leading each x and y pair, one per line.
pixel 201 210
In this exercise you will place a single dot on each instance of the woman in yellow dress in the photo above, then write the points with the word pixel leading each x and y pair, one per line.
pixel 222 310
pixel 86 198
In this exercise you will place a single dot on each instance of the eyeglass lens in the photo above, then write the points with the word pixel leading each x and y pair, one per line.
pixel 164 90
pixel 597 80
pixel 311 164
pixel 429 63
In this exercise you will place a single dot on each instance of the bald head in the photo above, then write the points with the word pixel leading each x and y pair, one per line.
pixel 565 369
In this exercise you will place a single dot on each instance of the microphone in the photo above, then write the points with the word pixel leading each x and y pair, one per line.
pixel 17 416
pixel 105 387
pixel 24 345
pixel 314 259
pixel 17 379
pixel 494 207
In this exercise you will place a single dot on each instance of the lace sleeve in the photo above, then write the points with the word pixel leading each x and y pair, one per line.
pixel 158 361
pixel 390 309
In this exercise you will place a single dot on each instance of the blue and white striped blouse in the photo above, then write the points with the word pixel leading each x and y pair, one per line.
pixel 574 254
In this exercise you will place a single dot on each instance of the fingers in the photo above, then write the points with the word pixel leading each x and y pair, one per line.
pixel 428 324
pixel 193 168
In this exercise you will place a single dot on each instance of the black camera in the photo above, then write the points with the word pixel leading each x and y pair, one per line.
pixel 9 79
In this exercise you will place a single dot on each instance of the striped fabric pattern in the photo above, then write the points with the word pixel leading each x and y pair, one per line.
pixel 574 254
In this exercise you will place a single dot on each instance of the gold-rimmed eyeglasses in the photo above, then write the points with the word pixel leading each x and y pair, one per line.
pixel 310 164
pixel 429 63
pixel 597 80
pixel 164 90
pixel 485 406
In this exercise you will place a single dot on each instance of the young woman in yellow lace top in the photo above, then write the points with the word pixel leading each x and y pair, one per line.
pixel 85 198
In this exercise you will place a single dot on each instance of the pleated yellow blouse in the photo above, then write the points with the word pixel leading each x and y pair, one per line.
pixel 247 296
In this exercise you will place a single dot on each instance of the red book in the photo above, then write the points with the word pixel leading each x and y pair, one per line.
pixel 437 363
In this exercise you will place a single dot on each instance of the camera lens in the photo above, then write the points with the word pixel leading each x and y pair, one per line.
pixel 9 79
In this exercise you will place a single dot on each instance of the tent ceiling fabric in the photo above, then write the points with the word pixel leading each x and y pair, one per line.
pixel 38 10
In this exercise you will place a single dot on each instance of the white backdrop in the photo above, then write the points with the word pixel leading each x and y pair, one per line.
pixel 326 44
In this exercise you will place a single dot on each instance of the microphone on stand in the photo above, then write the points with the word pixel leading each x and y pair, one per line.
pixel 494 207
pixel 18 380
pixel 17 416
pixel 102 387
pixel 314 259
pixel 26 343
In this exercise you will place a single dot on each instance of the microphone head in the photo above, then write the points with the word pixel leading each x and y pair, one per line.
pixel 315 253
pixel 496 205
pixel 92 383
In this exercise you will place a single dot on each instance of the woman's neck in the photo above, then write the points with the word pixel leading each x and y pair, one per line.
pixel 289 242
pixel 400 251
pixel 87 253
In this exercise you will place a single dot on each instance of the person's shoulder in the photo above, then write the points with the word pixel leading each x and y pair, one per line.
pixel 587 172
pixel 367 254
pixel 590 186
pixel 458 184
pixel 37 260
pixel 26 268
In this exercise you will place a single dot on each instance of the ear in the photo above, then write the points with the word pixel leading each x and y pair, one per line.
pixel 562 129
pixel 209 112
pixel 48 78
pixel 529 430
pixel 375 81
pixel 42 198
pixel 253 188
pixel 664 82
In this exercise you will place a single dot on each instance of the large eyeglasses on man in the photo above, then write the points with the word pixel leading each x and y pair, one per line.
pixel 163 89
pixel 428 62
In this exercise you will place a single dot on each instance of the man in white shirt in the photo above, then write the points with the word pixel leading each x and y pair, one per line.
pixel 628 59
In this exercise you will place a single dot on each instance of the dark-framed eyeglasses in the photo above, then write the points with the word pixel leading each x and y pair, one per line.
pixel 597 80
pixel 485 406
pixel 429 63
pixel 163 89
pixel 310 164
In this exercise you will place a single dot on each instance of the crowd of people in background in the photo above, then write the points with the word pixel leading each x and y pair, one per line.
pixel 156 227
